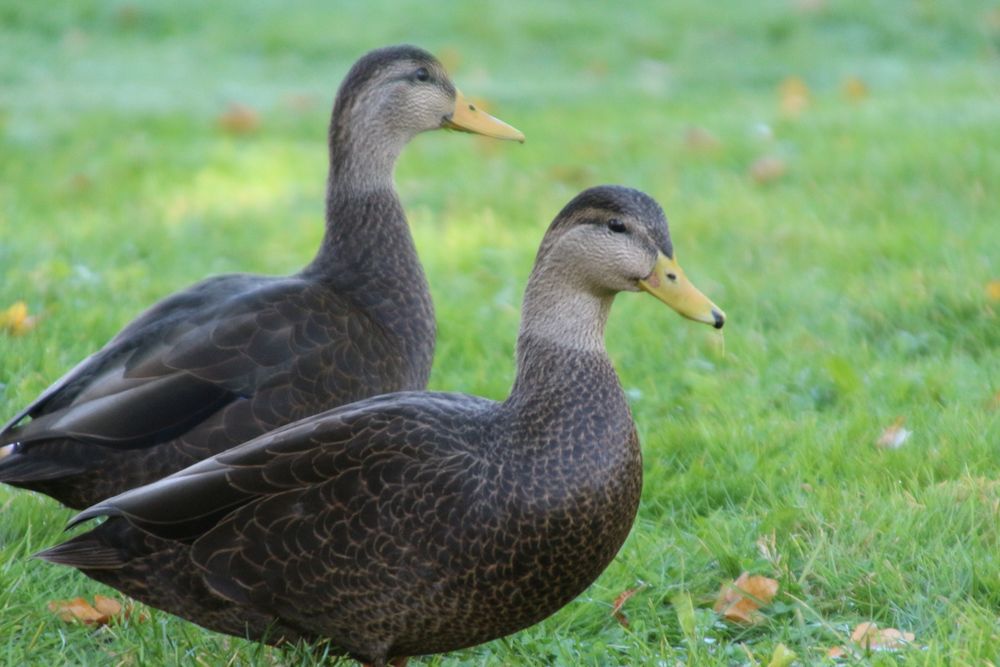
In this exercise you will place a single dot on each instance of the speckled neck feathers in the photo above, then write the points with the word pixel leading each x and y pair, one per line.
pixel 564 314
pixel 367 252
pixel 362 208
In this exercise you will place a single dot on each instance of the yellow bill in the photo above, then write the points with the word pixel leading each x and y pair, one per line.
pixel 467 118
pixel 668 283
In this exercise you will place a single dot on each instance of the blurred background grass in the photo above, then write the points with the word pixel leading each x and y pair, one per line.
pixel 830 171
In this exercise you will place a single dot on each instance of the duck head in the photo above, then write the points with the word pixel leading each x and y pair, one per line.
pixel 397 92
pixel 611 239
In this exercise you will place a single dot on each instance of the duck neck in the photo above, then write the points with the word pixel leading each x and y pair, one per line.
pixel 363 213
pixel 559 321
pixel 363 152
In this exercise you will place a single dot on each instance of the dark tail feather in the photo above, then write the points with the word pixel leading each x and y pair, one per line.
pixel 19 467
pixel 85 552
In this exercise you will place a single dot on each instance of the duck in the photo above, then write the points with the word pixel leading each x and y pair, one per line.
pixel 236 356
pixel 420 522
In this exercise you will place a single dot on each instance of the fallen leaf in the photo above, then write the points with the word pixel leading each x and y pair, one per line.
pixel 616 606
pixel 575 175
pixel 854 89
pixel 793 94
pixel 78 609
pixel 869 636
pixel 239 119
pixel 300 102
pixel 992 18
pixel 700 140
pixel 809 6
pixel 740 600
pixel 101 612
pixel 598 68
pixel 80 181
pixel 107 606
pixel 894 435
pixel 75 40
pixel 836 652
pixel 767 169
pixel 16 321
pixel 128 15
pixel 993 291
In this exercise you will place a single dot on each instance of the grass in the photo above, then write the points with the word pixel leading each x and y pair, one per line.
pixel 856 284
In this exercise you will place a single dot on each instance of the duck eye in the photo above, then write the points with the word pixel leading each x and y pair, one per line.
pixel 616 225
pixel 422 74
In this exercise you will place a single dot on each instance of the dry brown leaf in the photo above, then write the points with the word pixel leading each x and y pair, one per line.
pixel 991 17
pixel 15 319
pixel 767 169
pixel 128 15
pixel 239 119
pixel 740 600
pixel 894 435
pixel 80 182
pixel 793 94
pixel 993 291
pixel 75 41
pixel 854 89
pixel 700 140
pixel 809 6
pixel 79 610
pixel 76 609
pixel 300 102
pixel 616 606
pixel 868 637
pixel 103 611
pixel 107 606
pixel 576 175
pixel 598 68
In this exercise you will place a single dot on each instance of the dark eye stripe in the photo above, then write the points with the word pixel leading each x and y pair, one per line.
pixel 422 74
pixel 616 225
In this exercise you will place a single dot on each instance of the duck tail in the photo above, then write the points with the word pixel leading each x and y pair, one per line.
pixel 85 552
pixel 20 466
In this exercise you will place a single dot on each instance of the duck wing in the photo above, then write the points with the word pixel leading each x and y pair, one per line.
pixel 301 517
pixel 181 361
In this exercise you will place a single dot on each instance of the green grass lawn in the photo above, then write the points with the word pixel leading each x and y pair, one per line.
pixel 856 283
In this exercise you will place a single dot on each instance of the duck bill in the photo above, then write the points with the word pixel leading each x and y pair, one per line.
pixel 467 118
pixel 668 283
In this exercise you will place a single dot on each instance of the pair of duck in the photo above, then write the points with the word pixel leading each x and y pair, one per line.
pixel 359 508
